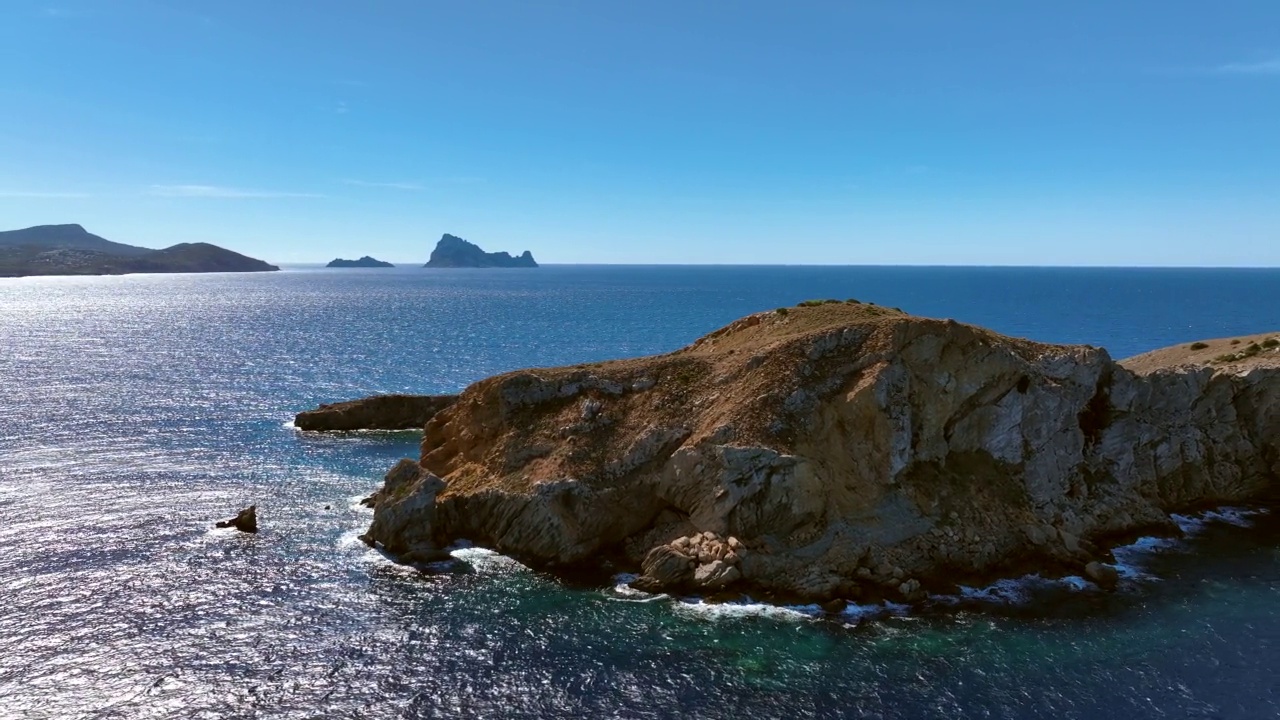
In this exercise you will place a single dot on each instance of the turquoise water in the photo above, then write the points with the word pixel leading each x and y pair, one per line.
pixel 137 410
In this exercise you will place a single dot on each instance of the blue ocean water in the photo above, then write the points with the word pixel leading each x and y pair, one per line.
pixel 137 410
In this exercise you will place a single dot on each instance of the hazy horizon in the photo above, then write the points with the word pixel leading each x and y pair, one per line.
pixel 671 133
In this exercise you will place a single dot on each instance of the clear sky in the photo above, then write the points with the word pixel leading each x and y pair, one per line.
pixel 1090 132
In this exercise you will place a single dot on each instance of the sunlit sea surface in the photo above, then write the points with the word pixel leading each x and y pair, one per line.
pixel 135 411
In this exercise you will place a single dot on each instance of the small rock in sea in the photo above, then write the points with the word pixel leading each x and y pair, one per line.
pixel 328 507
pixel 1105 576
pixel 245 521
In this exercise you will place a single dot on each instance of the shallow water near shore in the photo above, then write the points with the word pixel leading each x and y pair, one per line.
pixel 138 410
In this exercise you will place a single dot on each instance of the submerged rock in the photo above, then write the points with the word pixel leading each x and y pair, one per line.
pixel 837 450
pixel 245 521
pixel 378 412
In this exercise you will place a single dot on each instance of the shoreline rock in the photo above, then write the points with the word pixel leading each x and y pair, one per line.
pixel 836 451
pixel 377 412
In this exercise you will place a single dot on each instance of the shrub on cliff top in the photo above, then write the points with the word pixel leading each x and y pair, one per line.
pixel 1197 346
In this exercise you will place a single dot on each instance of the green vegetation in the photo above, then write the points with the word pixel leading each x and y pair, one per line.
pixel 1197 346
pixel 782 311
pixel 1249 350
pixel 853 301
pixel 816 303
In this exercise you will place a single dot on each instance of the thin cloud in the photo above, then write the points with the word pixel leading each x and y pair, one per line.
pixel 342 108
pixel 1265 67
pixel 215 191
pixel 416 187
pixel 31 194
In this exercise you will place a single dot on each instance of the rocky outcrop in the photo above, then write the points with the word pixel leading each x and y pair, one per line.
pixel 245 521
pixel 71 250
pixel 454 252
pixel 364 262
pixel 839 450
pixel 378 412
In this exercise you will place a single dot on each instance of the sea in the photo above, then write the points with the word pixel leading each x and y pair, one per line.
pixel 136 411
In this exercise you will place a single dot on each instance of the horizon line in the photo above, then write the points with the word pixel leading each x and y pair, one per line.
pixel 421 266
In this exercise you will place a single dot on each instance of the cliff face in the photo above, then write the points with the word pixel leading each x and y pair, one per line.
pixel 454 252
pixel 835 451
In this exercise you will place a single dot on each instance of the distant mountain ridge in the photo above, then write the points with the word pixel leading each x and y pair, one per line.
pixel 72 250
pixel 454 252
pixel 365 262
pixel 66 236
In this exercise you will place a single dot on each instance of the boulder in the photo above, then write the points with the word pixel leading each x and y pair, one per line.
pixel 1104 576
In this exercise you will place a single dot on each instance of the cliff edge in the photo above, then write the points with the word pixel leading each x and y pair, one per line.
pixel 840 450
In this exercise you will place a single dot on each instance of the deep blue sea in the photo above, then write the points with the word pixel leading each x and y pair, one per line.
pixel 135 411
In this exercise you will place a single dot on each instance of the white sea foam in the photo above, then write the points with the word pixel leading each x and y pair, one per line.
pixel 854 611
pixel 351 539
pixel 1195 524
pixel 700 608
pixel 483 558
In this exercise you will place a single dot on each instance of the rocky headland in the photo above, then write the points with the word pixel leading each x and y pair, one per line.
pixel 454 252
pixel 839 450
pixel 378 412
pixel 364 262
pixel 72 250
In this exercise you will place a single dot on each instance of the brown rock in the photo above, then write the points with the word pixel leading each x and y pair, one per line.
pixel 1104 576
pixel 665 567
pixel 245 521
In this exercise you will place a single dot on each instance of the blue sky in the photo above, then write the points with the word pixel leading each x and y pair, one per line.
pixel 1018 133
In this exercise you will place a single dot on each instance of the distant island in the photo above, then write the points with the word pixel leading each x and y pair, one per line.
pixel 364 262
pixel 72 250
pixel 454 252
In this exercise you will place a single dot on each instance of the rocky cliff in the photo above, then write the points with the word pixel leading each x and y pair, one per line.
pixel 454 252
pixel 840 450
